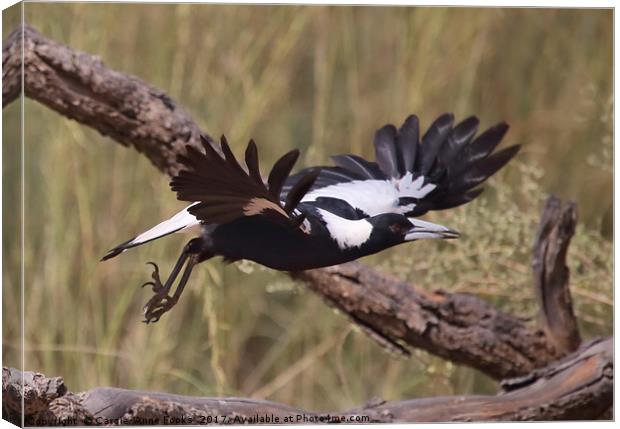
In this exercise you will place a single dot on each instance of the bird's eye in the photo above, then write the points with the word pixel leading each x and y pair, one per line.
pixel 398 228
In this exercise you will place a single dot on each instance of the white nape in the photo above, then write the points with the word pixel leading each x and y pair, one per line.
pixel 347 233
pixel 180 222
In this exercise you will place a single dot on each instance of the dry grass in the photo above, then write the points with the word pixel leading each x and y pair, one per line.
pixel 320 79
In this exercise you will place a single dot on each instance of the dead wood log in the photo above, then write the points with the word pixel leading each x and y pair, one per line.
pixel 458 327
pixel 579 387
pixel 551 275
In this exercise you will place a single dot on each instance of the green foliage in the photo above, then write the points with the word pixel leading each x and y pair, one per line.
pixel 321 79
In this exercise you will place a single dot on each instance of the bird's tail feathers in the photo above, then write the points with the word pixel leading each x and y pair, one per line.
pixel 177 223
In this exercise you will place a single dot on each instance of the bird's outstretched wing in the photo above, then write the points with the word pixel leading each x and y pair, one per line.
pixel 224 191
pixel 412 175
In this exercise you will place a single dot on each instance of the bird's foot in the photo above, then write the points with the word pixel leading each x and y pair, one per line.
pixel 157 306
pixel 156 284
pixel 160 302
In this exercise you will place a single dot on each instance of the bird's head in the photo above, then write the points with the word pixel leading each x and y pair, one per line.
pixel 393 228
pixel 373 234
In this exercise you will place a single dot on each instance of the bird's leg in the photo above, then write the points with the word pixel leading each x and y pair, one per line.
pixel 152 309
pixel 161 301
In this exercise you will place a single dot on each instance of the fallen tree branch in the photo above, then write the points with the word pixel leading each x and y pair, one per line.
pixel 458 327
pixel 77 85
pixel 577 387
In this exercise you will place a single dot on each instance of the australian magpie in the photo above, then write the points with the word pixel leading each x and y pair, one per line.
pixel 326 215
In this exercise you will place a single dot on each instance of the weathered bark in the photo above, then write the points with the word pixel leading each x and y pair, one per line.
pixel 11 68
pixel 551 275
pixel 459 327
pixel 577 387
pixel 79 86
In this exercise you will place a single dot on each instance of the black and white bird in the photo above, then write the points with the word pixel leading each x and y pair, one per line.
pixel 326 215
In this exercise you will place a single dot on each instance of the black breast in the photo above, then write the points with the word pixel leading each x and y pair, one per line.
pixel 276 246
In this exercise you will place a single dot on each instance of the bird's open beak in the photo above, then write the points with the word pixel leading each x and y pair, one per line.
pixel 424 229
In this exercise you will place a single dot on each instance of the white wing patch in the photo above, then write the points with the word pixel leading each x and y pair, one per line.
pixel 375 197
pixel 347 233
pixel 371 196
pixel 407 187
pixel 180 222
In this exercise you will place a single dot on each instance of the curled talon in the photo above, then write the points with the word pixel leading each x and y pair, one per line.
pixel 154 265
pixel 156 284
pixel 152 284
pixel 155 274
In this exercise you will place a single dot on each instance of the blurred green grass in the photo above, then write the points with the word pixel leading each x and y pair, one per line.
pixel 321 79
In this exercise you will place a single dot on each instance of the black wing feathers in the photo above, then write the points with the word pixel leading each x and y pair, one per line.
pixel 225 192
pixel 461 135
pixel 447 156
pixel 432 141
pixel 251 160
pixel 484 144
pixel 385 150
pixel 460 164
pixel 337 174
pixel 450 201
pixel 357 165
pixel 483 169
pixel 280 171
pixel 228 155
pixel 300 189
pixel 407 143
